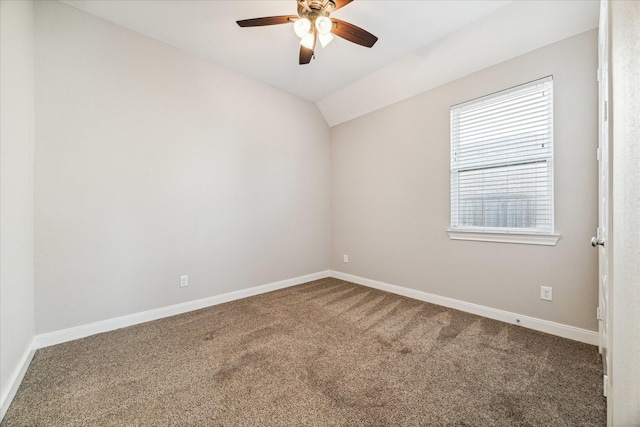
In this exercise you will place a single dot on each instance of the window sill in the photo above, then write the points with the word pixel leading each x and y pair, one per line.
pixel 519 238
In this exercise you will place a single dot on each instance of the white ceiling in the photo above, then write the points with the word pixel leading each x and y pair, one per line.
pixel 344 78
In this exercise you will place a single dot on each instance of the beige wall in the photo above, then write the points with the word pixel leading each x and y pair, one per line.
pixel 390 195
pixel 16 189
pixel 152 163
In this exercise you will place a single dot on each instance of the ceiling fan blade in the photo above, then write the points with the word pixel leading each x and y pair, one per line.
pixel 352 33
pixel 340 3
pixel 267 20
pixel 305 55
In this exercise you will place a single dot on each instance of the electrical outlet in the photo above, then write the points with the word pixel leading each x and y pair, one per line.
pixel 546 293
pixel 184 281
pixel 346 258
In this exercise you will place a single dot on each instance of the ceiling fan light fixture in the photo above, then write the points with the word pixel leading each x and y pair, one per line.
pixel 323 25
pixel 308 41
pixel 302 27
pixel 313 25
pixel 325 39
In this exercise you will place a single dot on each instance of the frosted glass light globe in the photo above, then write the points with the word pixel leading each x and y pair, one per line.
pixel 301 27
pixel 308 41
pixel 323 25
pixel 325 39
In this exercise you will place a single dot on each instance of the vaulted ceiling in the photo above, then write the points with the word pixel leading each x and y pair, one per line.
pixel 422 44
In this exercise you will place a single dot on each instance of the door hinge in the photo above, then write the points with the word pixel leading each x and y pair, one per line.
pixel 605 385
pixel 598 314
pixel 599 153
pixel 598 74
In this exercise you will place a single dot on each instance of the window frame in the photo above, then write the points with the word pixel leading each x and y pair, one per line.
pixel 502 234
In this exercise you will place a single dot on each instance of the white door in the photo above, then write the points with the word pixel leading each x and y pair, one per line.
pixel 601 240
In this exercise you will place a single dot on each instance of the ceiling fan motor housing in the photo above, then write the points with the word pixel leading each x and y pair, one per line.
pixel 313 9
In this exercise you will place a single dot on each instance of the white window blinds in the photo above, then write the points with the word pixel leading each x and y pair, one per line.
pixel 501 161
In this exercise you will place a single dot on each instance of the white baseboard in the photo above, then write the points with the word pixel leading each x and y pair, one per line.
pixel 58 337
pixel 558 329
pixel 16 378
pixel 561 330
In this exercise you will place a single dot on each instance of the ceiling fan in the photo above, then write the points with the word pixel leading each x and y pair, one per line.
pixel 313 24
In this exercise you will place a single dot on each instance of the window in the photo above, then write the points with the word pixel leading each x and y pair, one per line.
pixel 502 166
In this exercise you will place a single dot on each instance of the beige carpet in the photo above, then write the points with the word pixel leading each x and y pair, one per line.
pixel 325 353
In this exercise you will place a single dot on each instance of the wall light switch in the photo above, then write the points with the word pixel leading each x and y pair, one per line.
pixel 184 281
pixel 346 258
